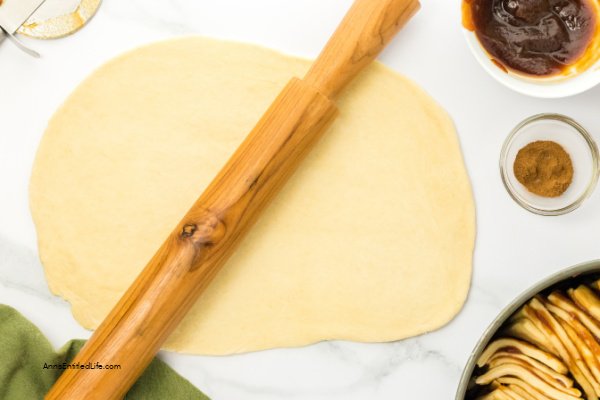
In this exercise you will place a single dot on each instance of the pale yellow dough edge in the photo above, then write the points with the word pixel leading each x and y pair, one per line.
pixel 372 239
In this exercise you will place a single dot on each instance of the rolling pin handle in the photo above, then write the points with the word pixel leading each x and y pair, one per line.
pixel 364 32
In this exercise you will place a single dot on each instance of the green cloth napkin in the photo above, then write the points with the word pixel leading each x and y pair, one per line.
pixel 24 350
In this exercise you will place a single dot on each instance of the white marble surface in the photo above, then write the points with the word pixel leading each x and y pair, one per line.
pixel 514 248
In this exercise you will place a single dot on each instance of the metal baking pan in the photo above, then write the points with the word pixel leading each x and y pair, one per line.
pixel 575 274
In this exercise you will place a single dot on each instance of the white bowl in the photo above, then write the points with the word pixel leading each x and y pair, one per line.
pixel 536 87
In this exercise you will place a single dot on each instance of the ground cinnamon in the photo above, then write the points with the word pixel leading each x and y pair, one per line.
pixel 544 168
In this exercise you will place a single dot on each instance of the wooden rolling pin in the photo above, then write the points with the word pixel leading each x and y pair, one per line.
pixel 193 254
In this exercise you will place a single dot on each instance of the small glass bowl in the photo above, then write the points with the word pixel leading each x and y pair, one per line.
pixel 576 141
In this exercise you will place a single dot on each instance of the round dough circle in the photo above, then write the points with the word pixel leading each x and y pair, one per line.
pixel 371 240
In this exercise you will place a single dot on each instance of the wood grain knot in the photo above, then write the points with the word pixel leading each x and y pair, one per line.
pixel 206 232
pixel 188 230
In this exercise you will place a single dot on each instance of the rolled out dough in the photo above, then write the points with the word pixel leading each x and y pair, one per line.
pixel 371 240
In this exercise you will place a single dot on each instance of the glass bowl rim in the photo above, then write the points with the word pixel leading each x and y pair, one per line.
pixel 591 145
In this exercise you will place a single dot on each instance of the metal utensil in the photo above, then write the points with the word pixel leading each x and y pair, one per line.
pixel 13 14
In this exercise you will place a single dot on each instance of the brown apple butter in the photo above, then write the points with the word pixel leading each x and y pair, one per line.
pixel 533 37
